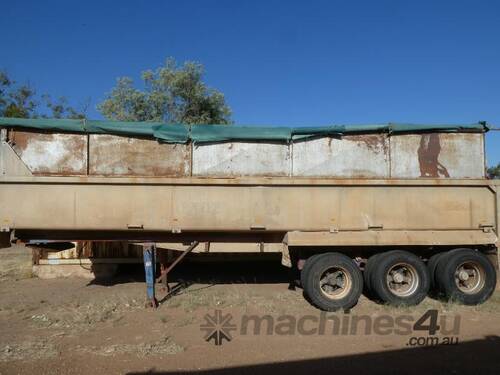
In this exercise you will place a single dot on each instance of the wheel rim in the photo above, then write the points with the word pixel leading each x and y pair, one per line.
pixel 335 283
pixel 469 277
pixel 402 279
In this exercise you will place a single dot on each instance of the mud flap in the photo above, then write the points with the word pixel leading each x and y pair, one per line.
pixel 285 256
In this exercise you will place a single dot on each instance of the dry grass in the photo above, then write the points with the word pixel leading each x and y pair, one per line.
pixel 28 351
pixel 165 346
pixel 287 302
pixel 203 298
pixel 78 317
pixel 492 305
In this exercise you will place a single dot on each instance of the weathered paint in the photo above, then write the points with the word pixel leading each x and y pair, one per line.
pixel 248 181
pixel 244 208
pixel 430 155
pixel 349 156
pixel 112 155
pixel 389 238
pixel 51 153
pixel 437 155
pixel 10 163
pixel 223 247
pixel 241 159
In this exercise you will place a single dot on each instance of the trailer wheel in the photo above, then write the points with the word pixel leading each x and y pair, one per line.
pixel 432 265
pixel 400 278
pixel 307 266
pixel 370 265
pixel 466 276
pixel 333 281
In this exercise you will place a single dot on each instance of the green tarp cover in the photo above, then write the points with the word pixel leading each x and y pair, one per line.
pixel 170 133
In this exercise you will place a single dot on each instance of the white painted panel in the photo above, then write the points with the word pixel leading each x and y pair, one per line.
pixel 350 156
pixel 241 159
pixel 51 153
pixel 437 155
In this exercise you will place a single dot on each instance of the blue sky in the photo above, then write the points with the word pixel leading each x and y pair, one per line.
pixel 277 62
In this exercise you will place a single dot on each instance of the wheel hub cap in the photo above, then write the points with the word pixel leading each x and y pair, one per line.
pixel 335 283
pixel 402 279
pixel 469 277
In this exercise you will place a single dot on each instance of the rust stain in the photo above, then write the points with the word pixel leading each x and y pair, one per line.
pixel 121 156
pixel 428 157
pixel 374 142
pixel 50 153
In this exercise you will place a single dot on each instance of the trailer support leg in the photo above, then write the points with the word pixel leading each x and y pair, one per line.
pixel 149 270
pixel 164 273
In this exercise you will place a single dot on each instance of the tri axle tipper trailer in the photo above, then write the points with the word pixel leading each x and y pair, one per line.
pixel 397 209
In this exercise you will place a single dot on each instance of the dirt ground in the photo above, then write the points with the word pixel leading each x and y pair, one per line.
pixel 73 326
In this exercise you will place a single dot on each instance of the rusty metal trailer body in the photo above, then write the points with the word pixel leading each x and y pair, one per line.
pixel 366 189
pixel 362 193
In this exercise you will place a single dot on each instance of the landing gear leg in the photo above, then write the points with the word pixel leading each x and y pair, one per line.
pixel 149 251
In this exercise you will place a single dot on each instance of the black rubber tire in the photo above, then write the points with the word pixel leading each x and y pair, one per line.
pixel 432 265
pixel 307 266
pixel 311 282
pixel 378 277
pixel 445 276
pixel 370 265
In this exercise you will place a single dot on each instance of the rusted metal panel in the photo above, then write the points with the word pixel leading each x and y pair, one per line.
pixel 350 156
pixel 437 155
pixel 51 153
pixel 112 155
pixel 430 155
pixel 241 159
pixel 256 181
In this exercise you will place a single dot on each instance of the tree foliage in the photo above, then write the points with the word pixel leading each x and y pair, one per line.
pixel 21 100
pixel 60 108
pixel 170 94
pixel 494 172
pixel 15 100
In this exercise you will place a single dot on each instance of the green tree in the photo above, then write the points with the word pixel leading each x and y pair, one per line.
pixel 15 100
pixel 171 94
pixel 494 172
pixel 60 108
pixel 22 101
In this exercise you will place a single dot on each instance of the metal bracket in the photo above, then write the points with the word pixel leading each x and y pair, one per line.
pixel 135 226
pixel 164 273
pixel 257 227
pixel 487 228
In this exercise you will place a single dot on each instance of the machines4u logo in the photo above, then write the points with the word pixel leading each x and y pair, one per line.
pixel 218 327
pixel 435 329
